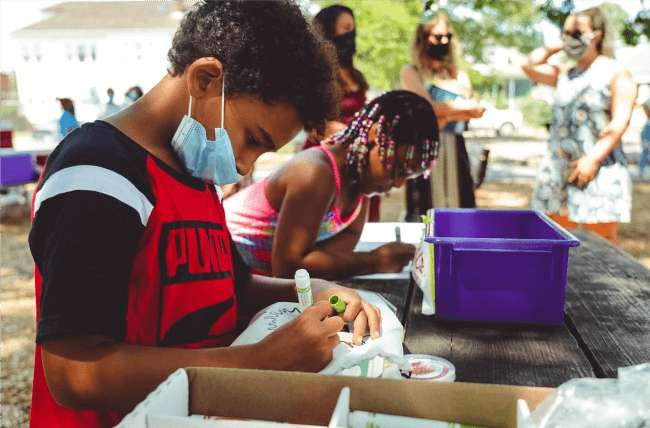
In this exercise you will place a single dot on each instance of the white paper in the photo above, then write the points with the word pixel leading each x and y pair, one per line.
pixel 347 356
pixel 377 234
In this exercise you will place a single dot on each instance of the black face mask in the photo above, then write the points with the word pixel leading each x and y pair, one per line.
pixel 346 46
pixel 438 51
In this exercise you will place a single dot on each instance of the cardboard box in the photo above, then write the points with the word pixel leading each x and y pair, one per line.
pixel 307 398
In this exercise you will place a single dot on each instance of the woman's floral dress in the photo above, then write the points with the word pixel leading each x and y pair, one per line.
pixel 581 111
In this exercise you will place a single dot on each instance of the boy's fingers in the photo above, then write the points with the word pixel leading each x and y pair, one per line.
pixel 352 309
pixel 333 325
pixel 374 318
pixel 360 325
pixel 321 310
pixel 333 341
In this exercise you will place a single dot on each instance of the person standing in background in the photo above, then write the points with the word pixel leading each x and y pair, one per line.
pixel 111 108
pixel 132 95
pixel 434 74
pixel 337 24
pixel 644 171
pixel 67 121
pixel 583 179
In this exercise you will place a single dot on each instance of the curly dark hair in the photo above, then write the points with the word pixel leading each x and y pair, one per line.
pixel 268 49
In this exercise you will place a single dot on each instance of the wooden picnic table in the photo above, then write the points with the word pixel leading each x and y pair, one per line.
pixel 606 325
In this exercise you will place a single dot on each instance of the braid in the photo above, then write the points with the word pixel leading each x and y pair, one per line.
pixel 403 119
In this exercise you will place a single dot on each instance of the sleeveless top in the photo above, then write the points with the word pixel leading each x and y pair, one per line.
pixel 581 110
pixel 252 221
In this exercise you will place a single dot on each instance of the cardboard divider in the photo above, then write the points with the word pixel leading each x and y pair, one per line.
pixel 308 398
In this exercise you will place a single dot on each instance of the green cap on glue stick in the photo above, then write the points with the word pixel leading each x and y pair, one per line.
pixel 337 303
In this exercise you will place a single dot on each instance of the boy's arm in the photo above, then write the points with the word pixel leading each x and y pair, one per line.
pixel 94 372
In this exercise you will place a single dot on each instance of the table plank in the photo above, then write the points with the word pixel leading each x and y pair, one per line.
pixel 608 304
pixel 393 290
pixel 498 354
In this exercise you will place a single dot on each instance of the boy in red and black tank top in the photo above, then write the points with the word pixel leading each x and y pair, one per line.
pixel 136 273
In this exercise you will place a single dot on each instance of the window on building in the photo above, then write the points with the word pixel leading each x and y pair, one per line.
pixel 93 52
pixel 68 51
pixel 81 52
pixel 25 51
pixel 138 50
pixel 38 53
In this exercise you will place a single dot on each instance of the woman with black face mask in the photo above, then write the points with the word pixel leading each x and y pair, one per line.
pixel 434 74
pixel 583 179
pixel 337 24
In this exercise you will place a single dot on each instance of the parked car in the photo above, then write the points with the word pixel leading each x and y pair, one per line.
pixel 504 122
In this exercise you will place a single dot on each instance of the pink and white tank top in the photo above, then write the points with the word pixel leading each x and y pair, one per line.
pixel 252 220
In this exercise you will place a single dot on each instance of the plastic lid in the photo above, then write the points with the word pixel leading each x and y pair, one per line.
pixel 337 303
pixel 428 367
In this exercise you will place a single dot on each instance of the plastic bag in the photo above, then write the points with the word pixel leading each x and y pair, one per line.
pixel 598 403
pixel 383 356
pixel 423 271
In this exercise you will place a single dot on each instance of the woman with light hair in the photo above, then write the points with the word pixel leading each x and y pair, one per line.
pixel 583 179
pixel 435 75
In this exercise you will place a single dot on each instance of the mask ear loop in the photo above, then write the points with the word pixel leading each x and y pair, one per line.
pixel 223 105
pixel 223 96
pixel 223 99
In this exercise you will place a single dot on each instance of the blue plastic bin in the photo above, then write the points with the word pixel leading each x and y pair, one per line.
pixel 16 168
pixel 499 265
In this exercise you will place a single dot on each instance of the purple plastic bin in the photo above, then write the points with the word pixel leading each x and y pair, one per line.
pixel 498 265
pixel 16 168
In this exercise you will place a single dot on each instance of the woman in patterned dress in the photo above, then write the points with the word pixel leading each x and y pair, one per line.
pixel 583 180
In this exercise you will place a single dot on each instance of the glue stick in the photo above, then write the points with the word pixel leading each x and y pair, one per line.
pixel 303 287
pixel 360 419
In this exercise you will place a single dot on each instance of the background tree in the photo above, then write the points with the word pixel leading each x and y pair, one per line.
pixel 386 29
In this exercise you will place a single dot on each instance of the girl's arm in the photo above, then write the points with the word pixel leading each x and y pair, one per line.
pixel 308 196
pixel 390 257
pixel 446 111
pixel 538 70
pixel 624 91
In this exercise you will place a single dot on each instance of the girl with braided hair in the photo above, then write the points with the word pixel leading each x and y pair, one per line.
pixel 310 212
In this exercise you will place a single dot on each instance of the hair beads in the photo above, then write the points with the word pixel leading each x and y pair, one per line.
pixel 415 125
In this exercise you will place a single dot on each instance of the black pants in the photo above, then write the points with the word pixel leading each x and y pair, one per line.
pixel 418 191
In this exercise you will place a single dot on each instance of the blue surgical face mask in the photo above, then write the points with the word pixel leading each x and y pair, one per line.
pixel 211 161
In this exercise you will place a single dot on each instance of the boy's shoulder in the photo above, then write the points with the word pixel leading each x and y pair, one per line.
pixel 98 145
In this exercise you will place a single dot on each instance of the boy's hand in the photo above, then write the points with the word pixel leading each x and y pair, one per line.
pixel 304 344
pixel 364 315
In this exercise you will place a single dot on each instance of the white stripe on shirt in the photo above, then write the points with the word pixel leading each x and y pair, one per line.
pixel 95 179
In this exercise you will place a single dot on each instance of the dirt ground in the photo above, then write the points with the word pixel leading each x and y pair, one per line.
pixel 18 307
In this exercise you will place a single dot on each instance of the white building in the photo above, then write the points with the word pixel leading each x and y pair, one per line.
pixel 83 48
